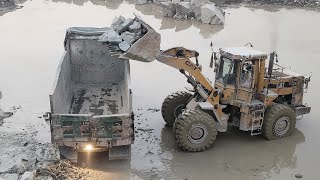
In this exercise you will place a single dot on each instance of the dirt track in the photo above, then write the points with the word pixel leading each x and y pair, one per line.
pixel 31 47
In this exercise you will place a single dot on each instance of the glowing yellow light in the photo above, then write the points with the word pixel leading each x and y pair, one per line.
pixel 88 147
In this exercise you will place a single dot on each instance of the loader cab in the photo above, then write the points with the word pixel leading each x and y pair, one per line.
pixel 238 73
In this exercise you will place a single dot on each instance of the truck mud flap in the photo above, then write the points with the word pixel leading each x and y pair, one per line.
pixel 120 152
pixel 68 153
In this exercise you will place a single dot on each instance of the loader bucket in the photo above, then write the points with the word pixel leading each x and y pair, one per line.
pixel 146 48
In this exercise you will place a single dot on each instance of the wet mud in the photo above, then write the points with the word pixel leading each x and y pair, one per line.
pixel 29 59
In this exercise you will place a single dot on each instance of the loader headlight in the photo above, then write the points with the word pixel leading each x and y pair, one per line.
pixel 88 147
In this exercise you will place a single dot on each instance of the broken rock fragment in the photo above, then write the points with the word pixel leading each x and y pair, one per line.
pixel 135 27
pixel 128 37
pixel 117 21
pixel 121 28
pixel 124 46
pixel 110 36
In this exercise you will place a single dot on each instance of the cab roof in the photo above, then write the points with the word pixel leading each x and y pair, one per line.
pixel 243 53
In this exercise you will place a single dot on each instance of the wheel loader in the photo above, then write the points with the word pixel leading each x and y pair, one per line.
pixel 246 93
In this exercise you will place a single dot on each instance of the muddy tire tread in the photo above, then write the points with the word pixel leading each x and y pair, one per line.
pixel 274 112
pixel 188 118
pixel 170 103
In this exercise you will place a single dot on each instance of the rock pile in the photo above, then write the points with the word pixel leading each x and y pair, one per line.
pixel 201 10
pixel 122 34
pixel 65 170
pixel 62 169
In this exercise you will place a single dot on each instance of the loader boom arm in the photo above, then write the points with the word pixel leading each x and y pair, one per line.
pixel 179 58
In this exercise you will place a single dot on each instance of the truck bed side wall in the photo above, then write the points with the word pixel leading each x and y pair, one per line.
pixel 61 94
pixel 92 63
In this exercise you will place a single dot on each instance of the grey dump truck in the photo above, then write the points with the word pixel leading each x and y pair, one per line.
pixel 91 100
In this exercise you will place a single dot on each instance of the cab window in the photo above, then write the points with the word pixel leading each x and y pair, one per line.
pixel 246 75
pixel 227 71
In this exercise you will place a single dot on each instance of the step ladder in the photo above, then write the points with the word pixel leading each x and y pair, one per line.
pixel 257 121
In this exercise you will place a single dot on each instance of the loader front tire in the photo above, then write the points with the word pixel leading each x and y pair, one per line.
pixel 173 105
pixel 195 130
pixel 279 121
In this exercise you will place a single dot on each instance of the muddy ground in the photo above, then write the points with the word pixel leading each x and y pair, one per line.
pixel 31 47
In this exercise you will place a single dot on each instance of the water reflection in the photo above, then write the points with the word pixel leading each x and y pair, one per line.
pixel 235 152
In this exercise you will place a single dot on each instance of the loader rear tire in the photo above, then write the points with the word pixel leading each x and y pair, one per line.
pixel 279 121
pixel 173 105
pixel 195 130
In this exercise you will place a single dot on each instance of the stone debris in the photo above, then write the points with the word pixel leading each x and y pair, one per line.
pixel 124 46
pixel 201 10
pixel 29 175
pixel 135 27
pixel 122 34
pixel 122 27
pixel 30 164
pixel 65 170
pixel 129 37
pixel 110 36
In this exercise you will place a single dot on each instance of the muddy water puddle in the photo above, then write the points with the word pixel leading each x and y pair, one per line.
pixel 31 44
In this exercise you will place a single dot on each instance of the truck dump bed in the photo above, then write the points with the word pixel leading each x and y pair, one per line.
pixel 91 98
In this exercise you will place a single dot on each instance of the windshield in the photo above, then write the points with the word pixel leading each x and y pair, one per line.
pixel 227 71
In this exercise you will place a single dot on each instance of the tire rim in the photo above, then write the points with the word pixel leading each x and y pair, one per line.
pixel 178 110
pixel 281 126
pixel 197 133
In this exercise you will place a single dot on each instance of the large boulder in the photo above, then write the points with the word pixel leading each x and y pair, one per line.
pixel 211 14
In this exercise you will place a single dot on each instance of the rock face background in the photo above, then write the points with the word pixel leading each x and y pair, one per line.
pixel 203 11
pixel 7 3
pixel 292 3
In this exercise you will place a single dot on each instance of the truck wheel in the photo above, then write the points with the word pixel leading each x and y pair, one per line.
pixel 195 130
pixel 279 121
pixel 173 105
